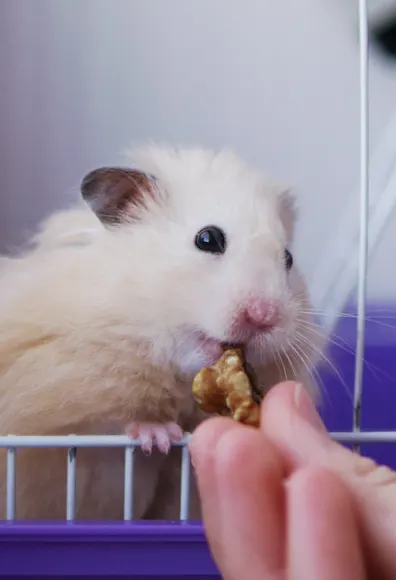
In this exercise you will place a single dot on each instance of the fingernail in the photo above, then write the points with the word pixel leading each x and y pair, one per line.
pixel 306 408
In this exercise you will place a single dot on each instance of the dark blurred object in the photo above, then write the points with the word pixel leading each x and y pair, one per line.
pixel 384 34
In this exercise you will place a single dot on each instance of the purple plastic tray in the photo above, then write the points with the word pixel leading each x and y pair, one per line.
pixel 133 550
pixel 178 549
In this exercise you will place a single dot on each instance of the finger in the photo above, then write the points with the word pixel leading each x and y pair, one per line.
pixel 250 478
pixel 287 414
pixel 290 421
pixel 322 531
pixel 202 447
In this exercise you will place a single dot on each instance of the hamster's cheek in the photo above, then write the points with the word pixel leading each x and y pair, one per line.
pixel 194 351
pixel 191 362
pixel 217 316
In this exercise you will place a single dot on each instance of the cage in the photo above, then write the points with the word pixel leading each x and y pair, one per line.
pixel 174 549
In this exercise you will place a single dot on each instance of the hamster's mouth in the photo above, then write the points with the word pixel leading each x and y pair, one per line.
pixel 230 345
pixel 212 348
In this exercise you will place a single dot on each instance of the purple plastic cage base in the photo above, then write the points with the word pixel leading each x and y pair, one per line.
pixel 139 549
pixel 174 549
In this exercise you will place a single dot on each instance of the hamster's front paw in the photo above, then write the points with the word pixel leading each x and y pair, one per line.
pixel 162 433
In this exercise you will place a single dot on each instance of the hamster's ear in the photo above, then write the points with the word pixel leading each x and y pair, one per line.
pixel 113 192
pixel 288 212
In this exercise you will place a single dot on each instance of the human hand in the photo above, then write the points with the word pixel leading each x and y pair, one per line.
pixel 287 502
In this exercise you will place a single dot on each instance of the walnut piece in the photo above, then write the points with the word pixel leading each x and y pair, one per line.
pixel 225 389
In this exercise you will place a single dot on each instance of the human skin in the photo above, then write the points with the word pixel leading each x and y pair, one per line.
pixel 286 502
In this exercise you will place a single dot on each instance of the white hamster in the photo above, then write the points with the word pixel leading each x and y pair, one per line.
pixel 104 323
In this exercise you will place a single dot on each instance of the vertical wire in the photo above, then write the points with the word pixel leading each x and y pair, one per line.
pixel 71 484
pixel 185 483
pixel 128 483
pixel 11 478
pixel 364 207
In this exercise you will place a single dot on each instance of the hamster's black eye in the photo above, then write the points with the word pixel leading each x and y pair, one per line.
pixel 288 259
pixel 211 239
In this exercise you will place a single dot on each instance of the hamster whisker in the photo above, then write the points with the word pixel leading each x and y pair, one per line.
pixel 335 339
pixel 347 315
pixel 293 368
pixel 342 344
pixel 312 370
pixel 279 362
pixel 302 339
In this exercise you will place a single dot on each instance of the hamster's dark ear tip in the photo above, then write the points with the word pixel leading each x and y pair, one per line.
pixel 88 183
pixel 98 179
pixel 113 192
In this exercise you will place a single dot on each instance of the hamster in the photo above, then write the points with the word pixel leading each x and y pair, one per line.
pixel 76 225
pixel 120 302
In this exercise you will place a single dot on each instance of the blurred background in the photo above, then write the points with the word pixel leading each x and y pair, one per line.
pixel 278 81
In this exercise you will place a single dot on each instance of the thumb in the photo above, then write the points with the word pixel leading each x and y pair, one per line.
pixel 291 422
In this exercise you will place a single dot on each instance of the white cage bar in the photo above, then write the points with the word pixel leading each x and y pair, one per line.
pixel 128 484
pixel 71 484
pixel 11 480
pixel 74 442
pixel 364 215
pixel 185 483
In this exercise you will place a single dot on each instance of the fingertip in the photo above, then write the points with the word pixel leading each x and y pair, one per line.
pixel 279 398
pixel 290 401
pixel 205 437
pixel 237 448
pixel 281 394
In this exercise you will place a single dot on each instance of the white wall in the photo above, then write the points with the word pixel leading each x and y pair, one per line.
pixel 277 80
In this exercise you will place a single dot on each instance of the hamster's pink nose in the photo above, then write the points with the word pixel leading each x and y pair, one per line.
pixel 262 314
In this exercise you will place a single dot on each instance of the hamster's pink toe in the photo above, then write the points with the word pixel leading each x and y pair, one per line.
pixel 163 434
pixel 175 432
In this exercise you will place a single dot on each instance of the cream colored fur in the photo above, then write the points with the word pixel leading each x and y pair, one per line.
pixel 97 325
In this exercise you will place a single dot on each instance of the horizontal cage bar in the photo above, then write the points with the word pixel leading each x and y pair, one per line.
pixel 18 441
pixel 75 441
pixel 365 437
